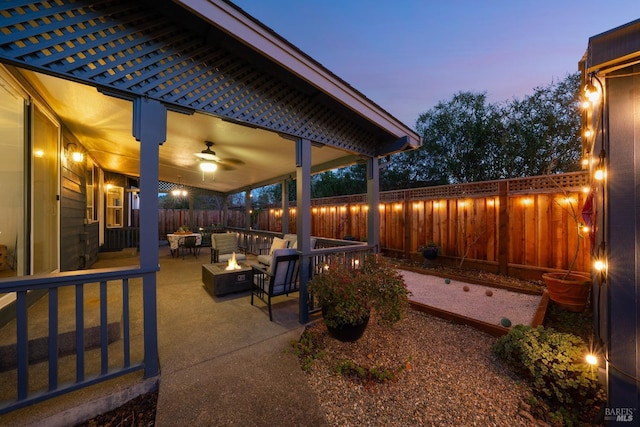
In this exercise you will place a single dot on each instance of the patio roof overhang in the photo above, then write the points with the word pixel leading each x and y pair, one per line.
pixel 223 76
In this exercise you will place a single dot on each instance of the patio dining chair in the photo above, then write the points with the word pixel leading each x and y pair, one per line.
pixel 189 244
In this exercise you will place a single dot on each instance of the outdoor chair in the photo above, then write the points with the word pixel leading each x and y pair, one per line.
pixel 289 241
pixel 281 278
pixel 223 246
pixel 189 244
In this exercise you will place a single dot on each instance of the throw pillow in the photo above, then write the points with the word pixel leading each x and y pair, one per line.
pixel 277 243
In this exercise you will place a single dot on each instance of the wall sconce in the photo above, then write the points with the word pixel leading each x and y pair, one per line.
pixel 74 153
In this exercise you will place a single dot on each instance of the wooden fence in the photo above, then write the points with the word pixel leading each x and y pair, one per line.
pixel 527 222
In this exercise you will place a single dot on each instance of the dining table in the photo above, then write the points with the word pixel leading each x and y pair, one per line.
pixel 174 240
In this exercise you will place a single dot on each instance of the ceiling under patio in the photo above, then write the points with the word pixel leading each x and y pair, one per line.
pixel 103 125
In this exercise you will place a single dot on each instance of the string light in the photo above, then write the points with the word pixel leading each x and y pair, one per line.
pixel 599 174
pixel 592 93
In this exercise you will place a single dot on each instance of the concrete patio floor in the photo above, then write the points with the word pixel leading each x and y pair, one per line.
pixel 222 361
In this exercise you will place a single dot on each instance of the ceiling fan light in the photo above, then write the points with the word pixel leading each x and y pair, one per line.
pixel 208 166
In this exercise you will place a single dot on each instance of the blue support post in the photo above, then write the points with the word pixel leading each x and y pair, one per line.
pixel 303 221
pixel 53 339
pixel 373 199
pixel 150 128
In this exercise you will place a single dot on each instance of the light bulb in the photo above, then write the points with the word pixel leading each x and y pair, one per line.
pixel 599 265
pixel 591 359
pixel 599 174
pixel 591 93
pixel 208 166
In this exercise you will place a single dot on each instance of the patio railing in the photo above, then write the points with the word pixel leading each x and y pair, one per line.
pixel 116 312
pixel 105 304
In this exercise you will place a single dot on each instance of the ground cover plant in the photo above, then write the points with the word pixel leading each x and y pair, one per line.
pixel 565 388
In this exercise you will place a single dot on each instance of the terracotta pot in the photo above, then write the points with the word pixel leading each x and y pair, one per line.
pixel 571 293
pixel 348 332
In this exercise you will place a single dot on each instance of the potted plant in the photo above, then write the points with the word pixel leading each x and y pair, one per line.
pixel 569 290
pixel 430 251
pixel 349 295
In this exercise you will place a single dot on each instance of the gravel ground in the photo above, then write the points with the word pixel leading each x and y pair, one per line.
pixel 446 376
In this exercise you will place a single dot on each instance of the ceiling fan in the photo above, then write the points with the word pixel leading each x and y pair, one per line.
pixel 209 161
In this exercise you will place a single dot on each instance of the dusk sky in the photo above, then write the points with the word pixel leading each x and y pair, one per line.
pixel 407 55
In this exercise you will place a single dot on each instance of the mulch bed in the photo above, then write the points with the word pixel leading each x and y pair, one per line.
pixel 139 412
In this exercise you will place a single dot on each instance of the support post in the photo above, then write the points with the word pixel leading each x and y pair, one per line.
pixel 247 209
pixel 373 200
pixel 285 206
pixel 150 128
pixel 303 192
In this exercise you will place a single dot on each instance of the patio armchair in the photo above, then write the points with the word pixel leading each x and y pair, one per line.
pixel 223 245
pixel 289 241
pixel 281 278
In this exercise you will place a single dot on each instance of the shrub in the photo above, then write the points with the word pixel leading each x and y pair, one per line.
pixel 553 362
pixel 347 295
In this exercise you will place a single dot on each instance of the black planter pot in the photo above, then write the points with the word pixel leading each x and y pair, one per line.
pixel 348 333
pixel 430 252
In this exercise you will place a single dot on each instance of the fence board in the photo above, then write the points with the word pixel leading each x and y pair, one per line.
pixel 540 232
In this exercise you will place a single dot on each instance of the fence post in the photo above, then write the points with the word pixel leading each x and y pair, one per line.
pixel 407 226
pixel 503 228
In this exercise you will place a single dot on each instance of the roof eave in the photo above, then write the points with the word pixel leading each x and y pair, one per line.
pixel 249 31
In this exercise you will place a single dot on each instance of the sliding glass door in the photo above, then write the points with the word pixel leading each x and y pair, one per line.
pixel 45 197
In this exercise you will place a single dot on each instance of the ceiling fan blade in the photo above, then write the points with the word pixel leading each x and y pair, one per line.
pixel 231 161
pixel 207 156
pixel 226 167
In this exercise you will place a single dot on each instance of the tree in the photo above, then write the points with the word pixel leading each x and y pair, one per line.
pixel 460 139
pixel 469 139
pixel 348 180
pixel 543 130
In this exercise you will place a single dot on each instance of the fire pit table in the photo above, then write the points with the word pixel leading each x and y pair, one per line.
pixel 219 281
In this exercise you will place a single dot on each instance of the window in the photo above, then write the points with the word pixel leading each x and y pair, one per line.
pixel 114 206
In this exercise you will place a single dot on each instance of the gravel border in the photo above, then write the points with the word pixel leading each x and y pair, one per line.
pixel 447 377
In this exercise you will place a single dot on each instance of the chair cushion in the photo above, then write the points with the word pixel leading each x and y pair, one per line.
pixel 225 243
pixel 292 239
pixel 312 244
pixel 278 243
pixel 281 273
pixel 264 259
